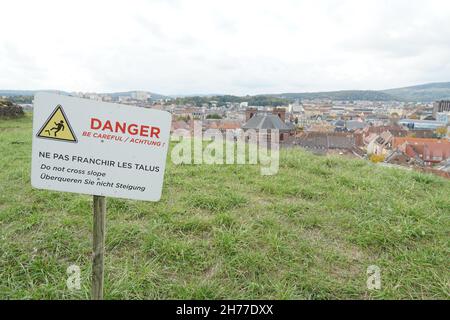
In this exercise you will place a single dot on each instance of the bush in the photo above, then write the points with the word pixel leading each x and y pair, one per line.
pixel 213 116
pixel 10 110
pixel 375 158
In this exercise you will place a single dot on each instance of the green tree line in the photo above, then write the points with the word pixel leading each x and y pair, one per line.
pixel 260 100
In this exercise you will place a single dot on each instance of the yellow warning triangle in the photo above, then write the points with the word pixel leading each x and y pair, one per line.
pixel 57 127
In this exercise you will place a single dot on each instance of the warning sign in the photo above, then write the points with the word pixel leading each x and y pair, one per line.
pixel 120 150
pixel 57 127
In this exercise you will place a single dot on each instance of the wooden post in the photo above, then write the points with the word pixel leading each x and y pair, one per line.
pixel 98 247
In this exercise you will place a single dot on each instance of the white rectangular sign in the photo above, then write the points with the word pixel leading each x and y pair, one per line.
pixel 98 148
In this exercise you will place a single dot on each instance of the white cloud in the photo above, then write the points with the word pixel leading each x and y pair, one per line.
pixel 236 47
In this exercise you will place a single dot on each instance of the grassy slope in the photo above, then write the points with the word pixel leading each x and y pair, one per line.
pixel 227 232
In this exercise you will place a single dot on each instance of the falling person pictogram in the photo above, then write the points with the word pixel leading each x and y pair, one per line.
pixel 57 127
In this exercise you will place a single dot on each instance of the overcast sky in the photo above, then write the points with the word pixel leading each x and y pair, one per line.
pixel 234 47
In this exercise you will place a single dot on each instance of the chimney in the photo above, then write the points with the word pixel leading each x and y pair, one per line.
pixel 249 113
pixel 281 112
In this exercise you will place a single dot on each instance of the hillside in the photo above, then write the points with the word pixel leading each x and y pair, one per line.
pixel 369 95
pixel 426 92
pixel 258 100
pixel 12 93
pixel 309 232
pixel 421 93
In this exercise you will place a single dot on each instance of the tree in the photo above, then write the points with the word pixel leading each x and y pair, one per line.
pixel 375 158
pixel 213 116
pixel 441 132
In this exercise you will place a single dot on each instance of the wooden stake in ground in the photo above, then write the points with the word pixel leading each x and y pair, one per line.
pixel 98 247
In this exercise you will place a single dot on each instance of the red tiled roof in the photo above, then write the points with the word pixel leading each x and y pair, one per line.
pixel 429 150
pixel 180 125
pixel 222 125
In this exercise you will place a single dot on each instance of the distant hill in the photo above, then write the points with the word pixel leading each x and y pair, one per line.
pixel 13 93
pixel 425 92
pixel 369 95
pixel 155 96
pixel 420 93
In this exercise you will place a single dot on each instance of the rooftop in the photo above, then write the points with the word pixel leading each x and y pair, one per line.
pixel 268 122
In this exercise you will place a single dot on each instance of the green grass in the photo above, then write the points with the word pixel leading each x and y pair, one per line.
pixel 225 231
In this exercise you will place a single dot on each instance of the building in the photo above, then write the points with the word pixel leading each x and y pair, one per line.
pixel 414 124
pixel 180 124
pixel 325 140
pixel 396 131
pixel 443 117
pixel 243 105
pixel 329 143
pixel 223 125
pixel 269 121
pixel 445 166
pixel 430 151
pixel 249 113
pixel 352 125
pixel 140 95
pixel 381 144
pixel 399 157
pixel 441 106
pixel 349 125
